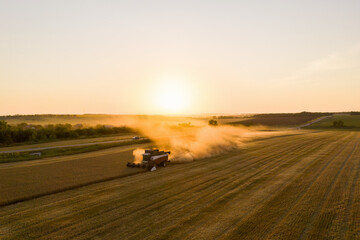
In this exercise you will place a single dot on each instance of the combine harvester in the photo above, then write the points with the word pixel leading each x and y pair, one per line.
pixel 151 159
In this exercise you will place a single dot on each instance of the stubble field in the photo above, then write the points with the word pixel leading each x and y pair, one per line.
pixel 304 186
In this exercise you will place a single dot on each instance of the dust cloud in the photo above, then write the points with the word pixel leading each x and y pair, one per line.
pixel 193 142
pixel 138 155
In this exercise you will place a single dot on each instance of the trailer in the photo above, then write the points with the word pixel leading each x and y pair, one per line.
pixel 152 158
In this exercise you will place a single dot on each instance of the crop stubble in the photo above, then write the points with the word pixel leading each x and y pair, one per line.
pixel 284 188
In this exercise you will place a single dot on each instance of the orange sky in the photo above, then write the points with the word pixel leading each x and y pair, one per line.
pixel 179 57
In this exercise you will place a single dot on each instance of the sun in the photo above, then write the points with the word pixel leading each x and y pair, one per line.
pixel 172 96
pixel 171 101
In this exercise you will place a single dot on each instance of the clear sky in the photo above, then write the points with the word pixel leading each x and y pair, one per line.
pixel 156 57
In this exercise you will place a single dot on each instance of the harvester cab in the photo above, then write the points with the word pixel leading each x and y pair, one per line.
pixel 152 158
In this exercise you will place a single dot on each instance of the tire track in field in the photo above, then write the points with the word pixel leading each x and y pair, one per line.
pixel 248 225
pixel 325 198
pixel 354 226
pixel 331 216
pixel 349 207
pixel 349 204
pixel 296 213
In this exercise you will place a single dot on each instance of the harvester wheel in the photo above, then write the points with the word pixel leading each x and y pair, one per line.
pixel 163 164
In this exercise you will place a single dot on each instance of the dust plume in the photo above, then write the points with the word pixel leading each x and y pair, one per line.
pixel 193 142
pixel 138 155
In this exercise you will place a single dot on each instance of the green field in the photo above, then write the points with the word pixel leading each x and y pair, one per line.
pixel 350 122
pixel 302 186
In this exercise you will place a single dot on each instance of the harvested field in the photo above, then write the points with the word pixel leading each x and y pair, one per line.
pixel 292 187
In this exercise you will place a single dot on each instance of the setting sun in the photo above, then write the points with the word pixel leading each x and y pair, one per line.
pixel 172 96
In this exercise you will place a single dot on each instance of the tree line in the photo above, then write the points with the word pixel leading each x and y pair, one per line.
pixel 23 132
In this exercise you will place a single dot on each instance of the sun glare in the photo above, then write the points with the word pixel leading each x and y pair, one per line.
pixel 172 96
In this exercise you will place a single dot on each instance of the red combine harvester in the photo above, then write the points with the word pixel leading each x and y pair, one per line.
pixel 151 159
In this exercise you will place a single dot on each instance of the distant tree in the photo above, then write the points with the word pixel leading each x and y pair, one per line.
pixel 340 123
pixel 62 130
pixel 5 133
pixel 3 124
pixel 100 129
pixel 73 134
pixel 33 135
pixel 213 122
pixel 335 123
